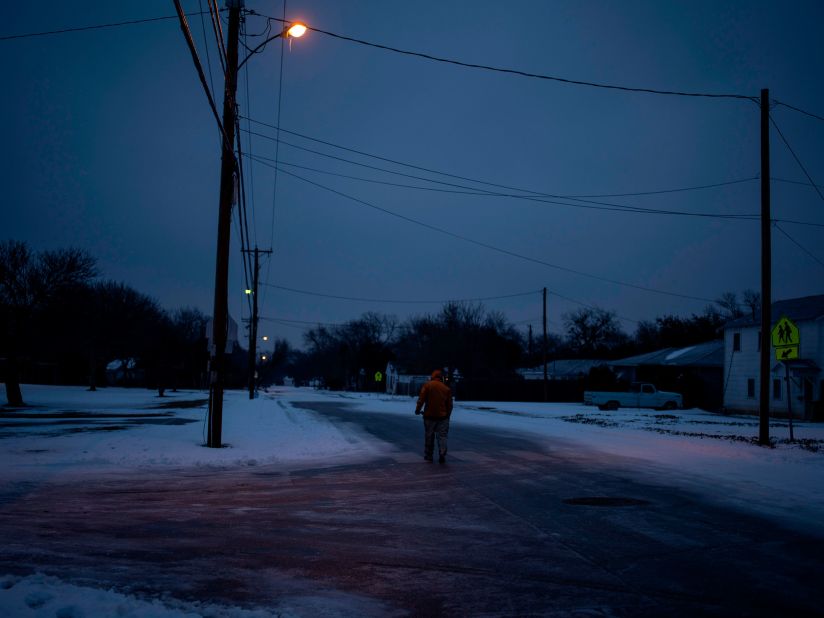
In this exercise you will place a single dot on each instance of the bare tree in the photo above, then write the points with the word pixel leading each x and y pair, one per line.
pixel 752 301
pixel 28 280
pixel 593 330
pixel 728 301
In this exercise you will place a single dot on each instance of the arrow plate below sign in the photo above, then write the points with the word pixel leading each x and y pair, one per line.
pixel 786 353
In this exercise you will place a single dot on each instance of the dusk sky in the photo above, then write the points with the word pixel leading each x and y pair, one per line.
pixel 110 145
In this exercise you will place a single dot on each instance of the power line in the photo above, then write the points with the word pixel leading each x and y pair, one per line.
pixel 493 247
pixel 791 221
pixel 518 72
pixel 214 14
pixel 333 324
pixel 798 244
pixel 252 168
pixel 396 301
pixel 795 182
pixel 799 110
pixel 468 179
pixel 588 204
pixel 94 27
pixel 187 33
pixel 795 156
pixel 206 46
pixel 277 150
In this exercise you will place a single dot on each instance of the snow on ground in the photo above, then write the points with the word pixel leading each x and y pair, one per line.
pixel 41 596
pixel 69 431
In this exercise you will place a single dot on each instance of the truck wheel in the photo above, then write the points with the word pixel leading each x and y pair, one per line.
pixel 612 405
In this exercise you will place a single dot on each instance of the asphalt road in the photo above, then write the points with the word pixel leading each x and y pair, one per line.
pixel 507 527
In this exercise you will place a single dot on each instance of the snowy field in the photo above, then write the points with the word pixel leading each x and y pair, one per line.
pixel 69 433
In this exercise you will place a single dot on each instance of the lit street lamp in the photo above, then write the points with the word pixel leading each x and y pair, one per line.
pixel 293 31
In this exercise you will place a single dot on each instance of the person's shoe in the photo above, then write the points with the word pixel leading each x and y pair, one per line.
pixel 442 459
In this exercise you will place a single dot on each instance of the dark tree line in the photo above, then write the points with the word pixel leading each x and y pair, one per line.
pixel 59 324
pixel 484 345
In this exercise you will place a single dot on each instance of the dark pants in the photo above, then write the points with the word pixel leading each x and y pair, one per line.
pixel 433 426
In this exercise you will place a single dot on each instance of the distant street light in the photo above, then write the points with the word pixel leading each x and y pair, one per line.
pixel 263 357
pixel 265 337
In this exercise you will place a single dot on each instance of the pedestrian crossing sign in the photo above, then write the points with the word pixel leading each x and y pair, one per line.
pixel 785 333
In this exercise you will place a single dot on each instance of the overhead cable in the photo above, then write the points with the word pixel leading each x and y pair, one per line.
pixel 187 33
pixel 799 110
pixel 95 27
pixel 795 156
pixel 475 180
pixel 798 244
pixel 493 247
pixel 397 301
pixel 581 203
pixel 518 72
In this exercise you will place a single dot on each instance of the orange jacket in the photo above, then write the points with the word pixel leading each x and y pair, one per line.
pixel 437 397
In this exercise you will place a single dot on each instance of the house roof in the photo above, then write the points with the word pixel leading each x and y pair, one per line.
pixel 797 309
pixel 571 368
pixel 710 354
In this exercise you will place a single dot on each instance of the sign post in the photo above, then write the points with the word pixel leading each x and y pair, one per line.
pixel 786 339
pixel 789 401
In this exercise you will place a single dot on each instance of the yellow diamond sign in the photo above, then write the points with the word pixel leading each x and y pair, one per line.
pixel 785 333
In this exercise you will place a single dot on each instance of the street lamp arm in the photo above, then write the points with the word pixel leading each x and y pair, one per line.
pixel 294 30
pixel 255 50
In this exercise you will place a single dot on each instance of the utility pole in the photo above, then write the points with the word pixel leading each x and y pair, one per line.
pixel 253 323
pixel 544 347
pixel 766 274
pixel 220 315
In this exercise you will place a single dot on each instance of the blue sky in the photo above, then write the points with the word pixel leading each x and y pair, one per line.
pixel 110 145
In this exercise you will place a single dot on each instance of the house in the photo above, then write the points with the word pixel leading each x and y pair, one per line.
pixel 695 371
pixel 742 348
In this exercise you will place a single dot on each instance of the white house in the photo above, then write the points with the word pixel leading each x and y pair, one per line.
pixel 742 347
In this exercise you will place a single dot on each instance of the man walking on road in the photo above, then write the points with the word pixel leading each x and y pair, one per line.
pixel 436 401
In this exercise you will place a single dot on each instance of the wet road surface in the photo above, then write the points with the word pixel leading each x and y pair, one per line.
pixel 506 527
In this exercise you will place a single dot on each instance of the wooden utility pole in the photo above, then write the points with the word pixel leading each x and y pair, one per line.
pixel 253 323
pixel 544 348
pixel 220 315
pixel 766 274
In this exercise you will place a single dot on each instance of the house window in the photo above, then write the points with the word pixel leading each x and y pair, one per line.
pixel 736 342
pixel 750 388
pixel 776 389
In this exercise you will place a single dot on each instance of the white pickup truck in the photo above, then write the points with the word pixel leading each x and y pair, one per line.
pixel 639 395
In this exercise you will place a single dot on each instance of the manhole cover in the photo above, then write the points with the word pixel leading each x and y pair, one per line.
pixel 605 501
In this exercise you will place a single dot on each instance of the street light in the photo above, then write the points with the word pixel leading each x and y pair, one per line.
pixel 293 31
pixel 265 337
pixel 228 179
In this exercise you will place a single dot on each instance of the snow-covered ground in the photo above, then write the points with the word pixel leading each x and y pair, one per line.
pixel 71 432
